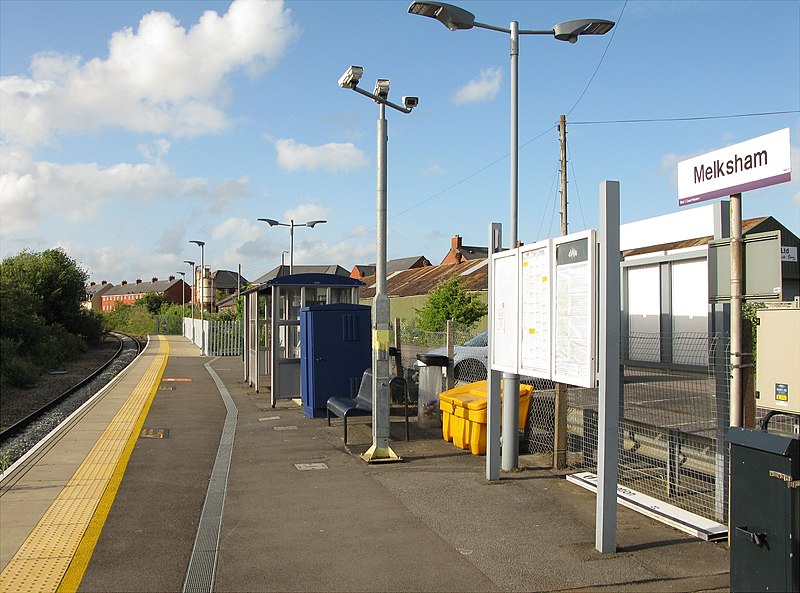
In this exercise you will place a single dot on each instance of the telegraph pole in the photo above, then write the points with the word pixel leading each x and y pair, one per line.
pixel 560 428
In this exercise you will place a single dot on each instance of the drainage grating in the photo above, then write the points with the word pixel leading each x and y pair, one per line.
pixel 166 389
pixel 284 428
pixel 203 562
pixel 154 433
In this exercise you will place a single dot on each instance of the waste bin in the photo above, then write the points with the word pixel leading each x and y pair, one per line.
pixel 431 380
pixel 764 511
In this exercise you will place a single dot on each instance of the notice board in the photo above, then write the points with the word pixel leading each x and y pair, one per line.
pixel 575 309
pixel 535 357
pixel 503 351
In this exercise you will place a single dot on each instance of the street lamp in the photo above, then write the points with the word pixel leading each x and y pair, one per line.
pixel 291 224
pixel 194 277
pixel 380 450
pixel 455 18
pixel 202 246
pixel 183 301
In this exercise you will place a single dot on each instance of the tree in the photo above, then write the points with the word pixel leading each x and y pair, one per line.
pixel 153 302
pixel 42 320
pixel 449 300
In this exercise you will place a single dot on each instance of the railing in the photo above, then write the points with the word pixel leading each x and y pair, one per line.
pixel 222 338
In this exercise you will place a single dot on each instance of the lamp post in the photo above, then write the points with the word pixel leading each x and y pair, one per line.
pixel 282 264
pixel 380 450
pixel 202 246
pixel 183 301
pixel 455 18
pixel 291 224
pixel 194 277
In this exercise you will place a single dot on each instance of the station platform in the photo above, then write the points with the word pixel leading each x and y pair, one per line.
pixel 179 477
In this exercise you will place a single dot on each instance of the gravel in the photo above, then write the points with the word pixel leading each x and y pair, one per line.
pixel 16 404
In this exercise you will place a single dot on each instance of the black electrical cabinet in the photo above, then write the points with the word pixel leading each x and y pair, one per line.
pixel 764 511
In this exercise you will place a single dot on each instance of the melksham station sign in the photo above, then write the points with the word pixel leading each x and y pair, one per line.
pixel 752 164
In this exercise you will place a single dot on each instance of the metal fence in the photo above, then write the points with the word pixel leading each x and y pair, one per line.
pixel 673 415
pixel 222 338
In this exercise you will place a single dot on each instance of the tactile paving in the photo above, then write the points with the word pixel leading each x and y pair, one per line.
pixel 43 559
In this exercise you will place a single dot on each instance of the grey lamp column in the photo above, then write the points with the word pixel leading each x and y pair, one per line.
pixel 202 246
pixel 455 18
pixel 183 301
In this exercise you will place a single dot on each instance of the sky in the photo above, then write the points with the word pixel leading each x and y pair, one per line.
pixel 129 129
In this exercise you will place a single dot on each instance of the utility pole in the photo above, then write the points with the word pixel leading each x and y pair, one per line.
pixel 560 421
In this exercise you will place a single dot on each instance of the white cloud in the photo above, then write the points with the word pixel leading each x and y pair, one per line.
pixel 160 78
pixel 76 192
pixel 483 88
pixel 306 212
pixel 332 156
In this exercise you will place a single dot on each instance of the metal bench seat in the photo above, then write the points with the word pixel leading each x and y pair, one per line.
pixel 361 404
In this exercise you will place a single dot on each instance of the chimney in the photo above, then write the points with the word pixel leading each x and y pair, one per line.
pixel 103 283
pixel 171 278
pixel 153 279
pixel 455 242
pixel 124 282
pixel 138 281
pixel 91 283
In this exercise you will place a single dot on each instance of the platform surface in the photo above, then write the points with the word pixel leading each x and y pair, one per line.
pixel 302 512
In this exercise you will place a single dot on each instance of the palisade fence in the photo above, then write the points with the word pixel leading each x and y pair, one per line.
pixel 223 338
pixel 673 415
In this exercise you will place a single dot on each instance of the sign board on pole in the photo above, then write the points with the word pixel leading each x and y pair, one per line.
pixel 535 358
pixel 763 273
pixel 575 309
pixel 503 355
pixel 752 164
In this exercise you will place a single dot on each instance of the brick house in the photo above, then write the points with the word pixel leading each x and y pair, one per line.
pixel 128 293
pixel 462 253
pixel 94 294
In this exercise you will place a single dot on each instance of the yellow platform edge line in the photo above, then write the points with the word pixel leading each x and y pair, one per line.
pixel 80 561
pixel 20 574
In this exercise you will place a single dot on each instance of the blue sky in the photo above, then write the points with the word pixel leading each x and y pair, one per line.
pixel 130 128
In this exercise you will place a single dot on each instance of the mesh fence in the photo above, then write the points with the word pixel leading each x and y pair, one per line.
pixel 673 420
pixel 674 411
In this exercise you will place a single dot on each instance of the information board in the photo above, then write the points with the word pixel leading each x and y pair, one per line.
pixel 503 353
pixel 574 340
pixel 535 310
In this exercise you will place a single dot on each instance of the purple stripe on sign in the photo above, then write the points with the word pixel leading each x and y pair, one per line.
pixel 735 189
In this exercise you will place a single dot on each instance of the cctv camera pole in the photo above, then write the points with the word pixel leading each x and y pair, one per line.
pixel 380 450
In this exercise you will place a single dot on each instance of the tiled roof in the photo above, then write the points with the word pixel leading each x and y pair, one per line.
pixel 298 269
pixel 141 288
pixel 225 279
pixel 416 281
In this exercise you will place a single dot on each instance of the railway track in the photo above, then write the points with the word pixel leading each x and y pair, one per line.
pixel 23 435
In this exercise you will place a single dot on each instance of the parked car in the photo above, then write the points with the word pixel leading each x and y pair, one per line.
pixel 470 359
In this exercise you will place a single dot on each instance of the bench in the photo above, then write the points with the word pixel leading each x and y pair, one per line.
pixel 361 404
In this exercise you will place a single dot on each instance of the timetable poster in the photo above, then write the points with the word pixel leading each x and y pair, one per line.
pixel 535 296
pixel 573 358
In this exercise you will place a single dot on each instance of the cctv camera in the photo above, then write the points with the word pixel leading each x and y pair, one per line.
pixel 349 79
pixel 410 102
pixel 381 88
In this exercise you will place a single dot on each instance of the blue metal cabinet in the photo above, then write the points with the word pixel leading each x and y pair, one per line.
pixel 334 353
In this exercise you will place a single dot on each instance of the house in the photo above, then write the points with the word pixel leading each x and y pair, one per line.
pixel 395 265
pixel 94 294
pixel 227 282
pixel 176 291
pixel 460 253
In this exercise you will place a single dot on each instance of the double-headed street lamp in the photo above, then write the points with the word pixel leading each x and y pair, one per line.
pixel 194 278
pixel 380 450
pixel 455 18
pixel 291 224
pixel 202 245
